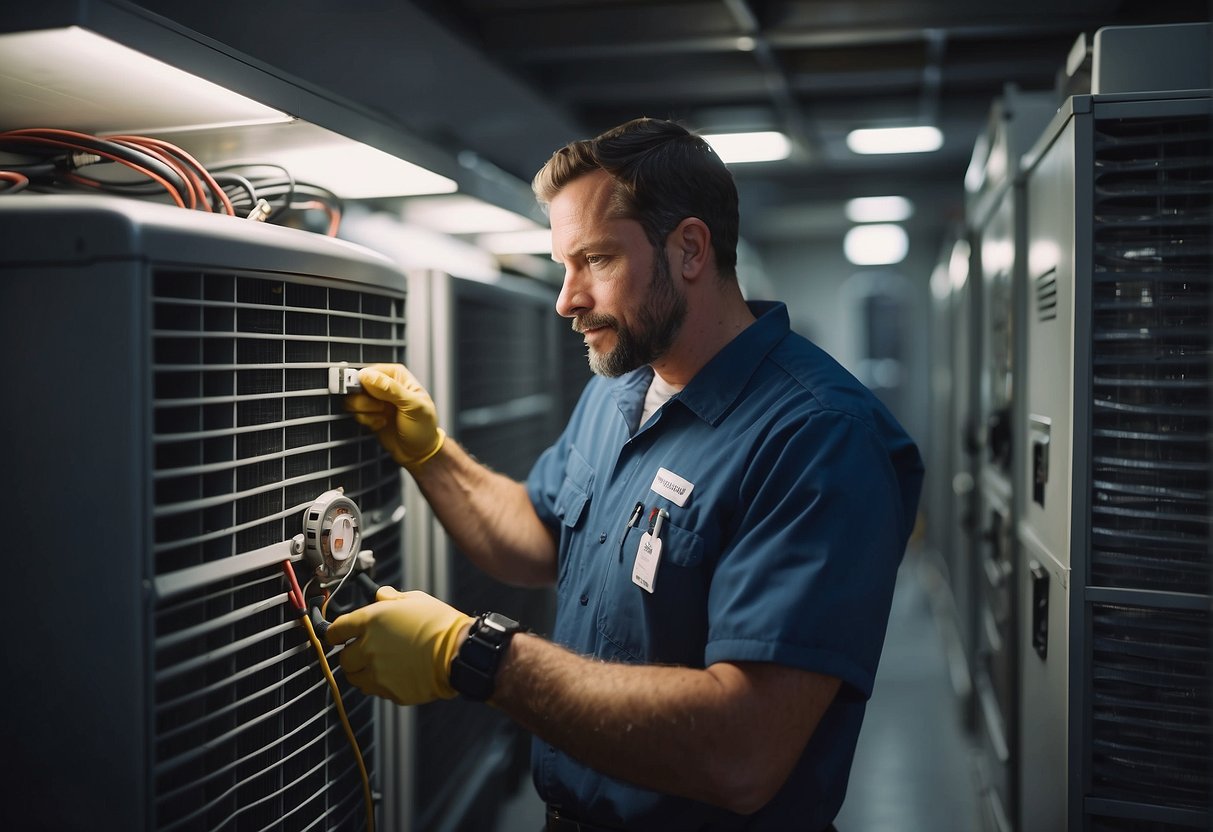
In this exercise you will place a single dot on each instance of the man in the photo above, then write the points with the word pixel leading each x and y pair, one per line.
pixel 723 518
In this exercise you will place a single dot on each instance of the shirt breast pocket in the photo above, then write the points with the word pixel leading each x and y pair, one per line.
pixel 576 491
pixel 668 625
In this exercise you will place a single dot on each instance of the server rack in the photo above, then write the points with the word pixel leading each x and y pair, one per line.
pixel 1115 470
pixel 173 425
pixel 995 216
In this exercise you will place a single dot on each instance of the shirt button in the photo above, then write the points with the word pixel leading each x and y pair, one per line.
pixel 585 599
pixel 602 538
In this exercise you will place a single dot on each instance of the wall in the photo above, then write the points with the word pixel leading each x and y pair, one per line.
pixel 823 293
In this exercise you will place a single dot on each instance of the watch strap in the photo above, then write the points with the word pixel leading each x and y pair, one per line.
pixel 474 668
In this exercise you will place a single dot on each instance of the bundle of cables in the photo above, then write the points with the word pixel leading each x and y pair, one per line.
pixel 55 160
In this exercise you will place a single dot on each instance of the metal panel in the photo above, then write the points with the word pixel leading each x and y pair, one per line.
pixel 1117 468
pixel 206 376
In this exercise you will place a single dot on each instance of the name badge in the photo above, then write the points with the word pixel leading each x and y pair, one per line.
pixel 672 487
pixel 648 556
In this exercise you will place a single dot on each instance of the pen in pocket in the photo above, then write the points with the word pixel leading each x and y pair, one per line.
pixel 636 512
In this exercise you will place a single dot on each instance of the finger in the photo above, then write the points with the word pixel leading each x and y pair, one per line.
pixel 363 403
pixel 352 659
pixel 388 593
pixel 375 421
pixel 404 392
pixel 345 627
pixel 366 681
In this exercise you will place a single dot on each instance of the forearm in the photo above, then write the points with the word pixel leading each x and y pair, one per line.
pixel 711 735
pixel 488 516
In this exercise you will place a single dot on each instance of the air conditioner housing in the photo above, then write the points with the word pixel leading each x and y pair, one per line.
pixel 166 424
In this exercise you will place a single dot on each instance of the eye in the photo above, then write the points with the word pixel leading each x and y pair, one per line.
pixel 595 259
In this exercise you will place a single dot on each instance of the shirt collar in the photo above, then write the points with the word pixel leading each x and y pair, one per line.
pixel 715 387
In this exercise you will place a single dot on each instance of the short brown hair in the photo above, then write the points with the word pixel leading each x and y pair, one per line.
pixel 663 174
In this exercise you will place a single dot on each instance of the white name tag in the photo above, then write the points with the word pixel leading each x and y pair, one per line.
pixel 648 556
pixel 672 487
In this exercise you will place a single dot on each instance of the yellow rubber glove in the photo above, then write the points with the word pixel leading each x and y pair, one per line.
pixel 401 413
pixel 403 646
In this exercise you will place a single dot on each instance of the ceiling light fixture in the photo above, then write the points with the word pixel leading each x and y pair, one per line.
pixel 463 214
pixel 761 146
pixel 537 241
pixel 876 245
pixel 895 140
pixel 354 170
pixel 879 209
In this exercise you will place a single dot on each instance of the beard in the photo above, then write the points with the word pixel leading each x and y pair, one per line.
pixel 658 319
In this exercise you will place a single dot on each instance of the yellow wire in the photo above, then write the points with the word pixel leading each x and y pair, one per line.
pixel 345 722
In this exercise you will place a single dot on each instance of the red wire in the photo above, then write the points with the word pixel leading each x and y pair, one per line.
pixel 18 179
pixel 31 137
pixel 191 161
pixel 295 593
pixel 193 185
pixel 333 214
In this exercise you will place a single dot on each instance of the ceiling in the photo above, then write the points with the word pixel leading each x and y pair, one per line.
pixel 814 69
pixel 489 88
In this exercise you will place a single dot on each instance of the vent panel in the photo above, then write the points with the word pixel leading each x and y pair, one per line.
pixel 1150 705
pixel 1151 425
pixel 246 436
pixel 1152 416
pixel 1046 296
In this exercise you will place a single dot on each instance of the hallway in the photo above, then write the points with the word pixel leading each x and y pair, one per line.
pixel 913 770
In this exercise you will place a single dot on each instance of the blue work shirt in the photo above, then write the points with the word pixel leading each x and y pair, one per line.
pixel 792 497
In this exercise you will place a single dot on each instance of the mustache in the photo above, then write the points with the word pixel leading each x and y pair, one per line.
pixel 593 321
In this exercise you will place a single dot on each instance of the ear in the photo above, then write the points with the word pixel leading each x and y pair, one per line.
pixel 690 246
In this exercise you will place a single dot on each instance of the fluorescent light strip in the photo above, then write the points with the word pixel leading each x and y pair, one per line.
pixel 879 209
pixel 517 242
pixel 923 139
pixel 462 214
pixel 876 245
pixel 739 148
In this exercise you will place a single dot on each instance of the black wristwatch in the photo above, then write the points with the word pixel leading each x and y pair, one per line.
pixel 474 668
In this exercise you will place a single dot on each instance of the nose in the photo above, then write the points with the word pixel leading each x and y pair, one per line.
pixel 573 299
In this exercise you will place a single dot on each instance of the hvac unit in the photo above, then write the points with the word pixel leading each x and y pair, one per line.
pixel 501 366
pixel 1115 468
pixel 995 215
pixel 939 500
pixel 961 541
pixel 168 424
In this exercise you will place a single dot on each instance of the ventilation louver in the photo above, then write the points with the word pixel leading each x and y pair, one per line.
pixel 1150 456
pixel 246 436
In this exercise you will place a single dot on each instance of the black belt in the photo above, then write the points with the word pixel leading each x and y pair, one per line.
pixel 559 823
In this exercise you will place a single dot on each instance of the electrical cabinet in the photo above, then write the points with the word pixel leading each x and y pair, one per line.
pixel 1114 467
pixel 995 216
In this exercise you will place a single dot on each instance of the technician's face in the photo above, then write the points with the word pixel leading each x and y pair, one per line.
pixel 617 289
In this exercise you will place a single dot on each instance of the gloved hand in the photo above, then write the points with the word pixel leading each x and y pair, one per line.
pixel 403 646
pixel 398 409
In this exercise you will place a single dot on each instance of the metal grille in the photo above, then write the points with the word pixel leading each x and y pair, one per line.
pixel 1150 705
pixel 1151 354
pixel 1152 417
pixel 508 413
pixel 1125 825
pixel 246 437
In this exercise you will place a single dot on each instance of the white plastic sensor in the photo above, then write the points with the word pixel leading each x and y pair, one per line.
pixel 343 379
pixel 332 528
